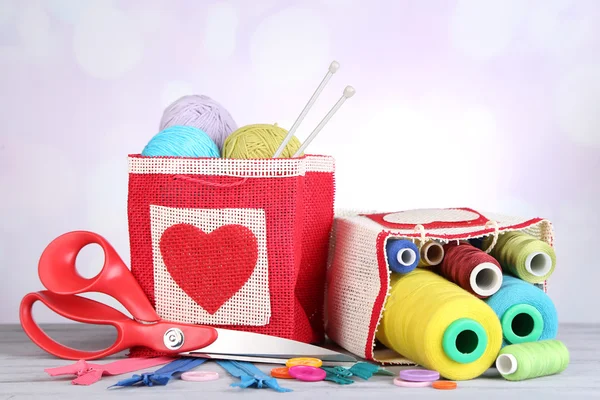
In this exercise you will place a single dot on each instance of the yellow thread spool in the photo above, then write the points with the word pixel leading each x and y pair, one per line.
pixel 440 326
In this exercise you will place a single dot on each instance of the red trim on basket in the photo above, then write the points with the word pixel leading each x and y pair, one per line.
pixel 381 297
pixel 384 271
pixel 379 218
pixel 138 155
pixel 467 235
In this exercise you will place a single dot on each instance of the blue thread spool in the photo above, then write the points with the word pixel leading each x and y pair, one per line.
pixel 402 255
pixel 526 313
pixel 181 141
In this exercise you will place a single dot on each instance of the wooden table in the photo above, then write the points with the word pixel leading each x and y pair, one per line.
pixel 22 375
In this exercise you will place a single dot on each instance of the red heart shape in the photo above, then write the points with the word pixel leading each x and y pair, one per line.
pixel 210 268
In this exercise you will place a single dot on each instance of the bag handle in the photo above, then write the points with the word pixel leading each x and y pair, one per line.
pixel 208 183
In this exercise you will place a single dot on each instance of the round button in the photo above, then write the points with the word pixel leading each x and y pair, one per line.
pixel 281 372
pixel 307 373
pixel 312 362
pixel 419 375
pixel 444 385
pixel 200 376
pixel 403 383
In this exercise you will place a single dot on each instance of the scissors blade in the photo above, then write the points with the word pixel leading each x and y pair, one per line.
pixel 264 359
pixel 238 345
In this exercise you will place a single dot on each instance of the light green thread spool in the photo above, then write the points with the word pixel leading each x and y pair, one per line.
pixel 524 256
pixel 518 362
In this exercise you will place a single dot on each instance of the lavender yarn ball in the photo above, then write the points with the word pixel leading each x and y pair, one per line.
pixel 203 113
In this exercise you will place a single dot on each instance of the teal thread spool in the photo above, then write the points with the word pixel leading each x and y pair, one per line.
pixel 519 362
pixel 526 313
pixel 523 256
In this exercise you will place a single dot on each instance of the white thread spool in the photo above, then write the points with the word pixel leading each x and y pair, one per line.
pixel 406 257
pixel 506 364
pixel 486 279
pixel 538 263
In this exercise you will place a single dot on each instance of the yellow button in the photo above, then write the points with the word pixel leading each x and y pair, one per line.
pixel 313 362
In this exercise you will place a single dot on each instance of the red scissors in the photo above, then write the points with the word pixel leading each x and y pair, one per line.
pixel 58 273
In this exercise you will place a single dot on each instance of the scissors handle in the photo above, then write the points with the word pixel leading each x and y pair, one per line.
pixel 58 273
pixel 162 336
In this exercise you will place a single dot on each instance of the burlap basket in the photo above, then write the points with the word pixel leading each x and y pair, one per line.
pixel 231 243
pixel 358 276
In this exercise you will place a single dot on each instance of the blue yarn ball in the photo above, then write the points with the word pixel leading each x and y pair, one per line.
pixel 181 141
pixel 517 293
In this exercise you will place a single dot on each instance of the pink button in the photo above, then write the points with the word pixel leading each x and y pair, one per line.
pixel 403 383
pixel 307 373
pixel 199 376
pixel 419 375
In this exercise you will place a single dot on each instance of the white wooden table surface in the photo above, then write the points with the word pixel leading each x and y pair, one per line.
pixel 22 376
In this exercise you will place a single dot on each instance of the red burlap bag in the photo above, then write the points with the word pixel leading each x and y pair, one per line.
pixel 237 244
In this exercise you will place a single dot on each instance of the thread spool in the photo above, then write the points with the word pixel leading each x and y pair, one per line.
pixel 258 141
pixel 181 141
pixel 402 255
pixel 526 313
pixel 519 362
pixel 200 112
pixel 432 254
pixel 472 269
pixel 524 256
pixel 440 326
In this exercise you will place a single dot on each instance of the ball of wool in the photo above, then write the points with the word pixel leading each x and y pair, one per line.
pixel 181 141
pixel 258 141
pixel 203 113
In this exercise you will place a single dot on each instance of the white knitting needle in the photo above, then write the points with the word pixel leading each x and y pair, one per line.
pixel 348 92
pixel 333 67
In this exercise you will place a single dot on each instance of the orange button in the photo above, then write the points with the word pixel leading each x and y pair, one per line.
pixel 311 362
pixel 281 372
pixel 444 385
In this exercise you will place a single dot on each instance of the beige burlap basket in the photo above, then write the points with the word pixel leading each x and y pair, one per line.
pixel 358 276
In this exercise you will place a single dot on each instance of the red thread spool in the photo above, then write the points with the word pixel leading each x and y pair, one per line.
pixel 471 269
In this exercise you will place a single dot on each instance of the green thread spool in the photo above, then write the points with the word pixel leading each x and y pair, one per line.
pixel 464 341
pixel 518 362
pixel 522 323
pixel 524 256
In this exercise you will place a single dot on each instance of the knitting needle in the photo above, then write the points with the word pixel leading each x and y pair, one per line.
pixel 333 67
pixel 348 92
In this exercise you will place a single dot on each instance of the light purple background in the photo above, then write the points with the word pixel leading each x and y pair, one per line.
pixel 487 104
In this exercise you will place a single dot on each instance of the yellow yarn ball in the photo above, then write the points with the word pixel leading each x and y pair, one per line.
pixel 419 316
pixel 258 141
